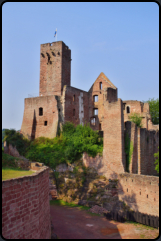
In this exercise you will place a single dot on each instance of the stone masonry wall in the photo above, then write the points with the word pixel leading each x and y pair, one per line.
pixel 149 142
pixel 76 106
pixel 55 67
pixel 113 143
pixel 131 133
pixel 33 124
pixel 105 91
pixel 96 162
pixel 25 207
pixel 140 192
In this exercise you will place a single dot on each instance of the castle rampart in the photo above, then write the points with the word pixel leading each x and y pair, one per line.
pixel 25 206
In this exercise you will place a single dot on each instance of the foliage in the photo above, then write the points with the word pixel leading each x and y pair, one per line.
pixel 16 139
pixel 154 110
pixel 156 155
pixel 3 134
pixel 67 147
pixel 8 161
pixel 63 203
pixel 136 118
pixel 128 150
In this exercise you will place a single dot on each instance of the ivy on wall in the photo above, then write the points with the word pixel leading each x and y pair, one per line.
pixel 128 150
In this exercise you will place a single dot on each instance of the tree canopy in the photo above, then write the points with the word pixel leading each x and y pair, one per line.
pixel 154 110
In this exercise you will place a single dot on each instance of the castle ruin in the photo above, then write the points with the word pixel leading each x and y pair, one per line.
pixel 59 102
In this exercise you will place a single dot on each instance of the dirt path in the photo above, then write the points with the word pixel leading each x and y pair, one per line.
pixel 72 223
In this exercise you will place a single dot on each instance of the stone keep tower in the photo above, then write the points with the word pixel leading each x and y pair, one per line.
pixel 55 68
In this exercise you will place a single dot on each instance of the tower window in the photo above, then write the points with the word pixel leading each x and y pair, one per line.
pixel 95 98
pixel 40 111
pixel 45 123
pixel 93 121
pixel 95 111
pixel 100 128
pixel 128 109
pixel 73 112
pixel 73 97
pixel 100 85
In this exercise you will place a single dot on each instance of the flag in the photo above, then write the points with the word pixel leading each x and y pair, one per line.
pixel 55 32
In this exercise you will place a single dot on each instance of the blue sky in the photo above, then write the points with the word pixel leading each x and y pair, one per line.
pixel 119 39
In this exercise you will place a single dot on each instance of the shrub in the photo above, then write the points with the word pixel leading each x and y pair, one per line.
pixel 16 139
pixel 156 155
pixel 136 118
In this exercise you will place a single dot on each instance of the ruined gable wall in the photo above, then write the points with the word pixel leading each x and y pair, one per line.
pixel 113 144
pixel 106 93
pixel 76 106
pixel 140 192
pixel 33 124
pixel 55 67
pixel 139 108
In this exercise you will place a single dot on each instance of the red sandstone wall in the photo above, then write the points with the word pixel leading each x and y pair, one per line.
pixel 103 95
pixel 113 143
pixel 26 208
pixel 96 162
pixel 79 104
pixel 55 67
pixel 145 144
pixel 140 192
pixel 149 142
pixel 33 124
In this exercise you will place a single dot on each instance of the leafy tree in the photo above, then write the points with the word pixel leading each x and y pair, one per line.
pixel 154 110
pixel 67 147
pixel 3 134
pixel 136 118
pixel 156 155
pixel 16 139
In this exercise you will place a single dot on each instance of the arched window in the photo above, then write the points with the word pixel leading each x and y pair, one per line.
pixel 95 98
pixel 100 85
pixel 40 111
pixel 128 109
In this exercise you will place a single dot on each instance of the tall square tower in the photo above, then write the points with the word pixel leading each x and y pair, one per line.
pixel 55 68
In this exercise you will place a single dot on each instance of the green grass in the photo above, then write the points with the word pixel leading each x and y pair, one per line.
pixel 63 203
pixel 140 225
pixel 8 173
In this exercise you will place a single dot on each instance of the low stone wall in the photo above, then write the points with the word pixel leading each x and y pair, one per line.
pixel 25 206
pixel 139 192
pixel 94 162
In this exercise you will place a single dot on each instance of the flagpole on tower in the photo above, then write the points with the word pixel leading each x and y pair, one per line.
pixel 55 35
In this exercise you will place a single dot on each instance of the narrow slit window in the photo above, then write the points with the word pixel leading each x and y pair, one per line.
pixel 95 111
pixel 100 128
pixel 100 85
pixel 128 109
pixel 73 97
pixel 95 98
pixel 45 123
pixel 40 111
